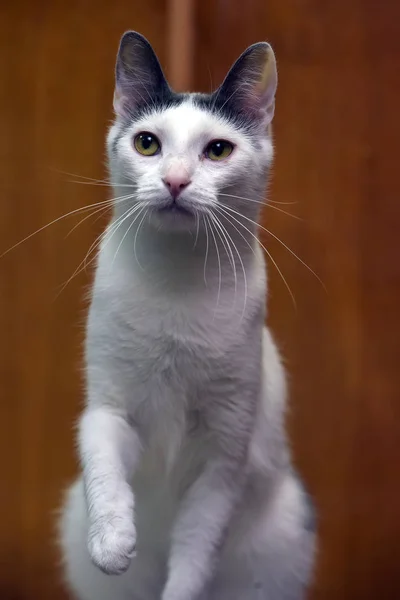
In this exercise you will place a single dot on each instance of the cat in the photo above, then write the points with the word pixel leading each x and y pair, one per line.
pixel 187 490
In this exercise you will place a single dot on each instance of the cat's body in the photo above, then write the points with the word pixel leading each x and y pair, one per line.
pixel 186 392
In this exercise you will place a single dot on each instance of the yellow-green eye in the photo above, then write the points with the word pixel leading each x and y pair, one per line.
pixel 147 144
pixel 218 150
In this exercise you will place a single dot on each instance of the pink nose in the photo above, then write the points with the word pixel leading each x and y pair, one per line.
pixel 176 183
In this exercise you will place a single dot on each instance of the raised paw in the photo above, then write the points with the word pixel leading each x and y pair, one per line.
pixel 112 543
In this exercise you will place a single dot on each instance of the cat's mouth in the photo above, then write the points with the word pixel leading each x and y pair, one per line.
pixel 173 208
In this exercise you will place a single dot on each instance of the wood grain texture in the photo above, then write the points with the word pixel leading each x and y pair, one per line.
pixel 336 133
pixel 180 44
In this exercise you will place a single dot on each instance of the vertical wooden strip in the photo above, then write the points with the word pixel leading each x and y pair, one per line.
pixel 180 41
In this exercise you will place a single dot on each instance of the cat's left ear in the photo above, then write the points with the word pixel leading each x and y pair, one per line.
pixel 251 83
pixel 138 75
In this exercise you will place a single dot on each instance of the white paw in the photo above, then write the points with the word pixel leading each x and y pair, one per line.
pixel 112 543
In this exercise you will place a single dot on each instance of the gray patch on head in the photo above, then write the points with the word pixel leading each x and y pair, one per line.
pixel 123 129
pixel 158 104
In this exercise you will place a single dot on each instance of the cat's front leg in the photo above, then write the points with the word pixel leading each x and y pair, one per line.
pixel 207 508
pixel 109 450
pixel 199 531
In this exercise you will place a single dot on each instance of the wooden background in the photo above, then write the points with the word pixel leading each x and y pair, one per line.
pixel 337 132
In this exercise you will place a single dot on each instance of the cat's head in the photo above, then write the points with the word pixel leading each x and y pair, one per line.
pixel 186 156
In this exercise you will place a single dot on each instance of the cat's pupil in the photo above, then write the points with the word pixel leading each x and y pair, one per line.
pixel 147 141
pixel 217 148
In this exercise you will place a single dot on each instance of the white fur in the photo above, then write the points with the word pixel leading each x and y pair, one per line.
pixel 187 488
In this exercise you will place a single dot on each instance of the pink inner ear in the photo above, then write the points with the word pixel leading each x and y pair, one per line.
pixel 260 98
pixel 259 92
pixel 119 103
pixel 251 103
pixel 254 100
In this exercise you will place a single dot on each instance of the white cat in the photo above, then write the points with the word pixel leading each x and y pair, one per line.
pixel 187 491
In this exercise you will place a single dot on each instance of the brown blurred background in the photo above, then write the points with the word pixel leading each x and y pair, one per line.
pixel 336 130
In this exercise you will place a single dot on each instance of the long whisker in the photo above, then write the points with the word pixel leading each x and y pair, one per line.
pixel 197 229
pixel 264 204
pixel 267 252
pixel 84 264
pixel 98 183
pixel 253 200
pixel 101 210
pixel 227 249
pixel 239 256
pixel 93 181
pixel 219 266
pixel 109 232
pixel 225 216
pixel 72 212
pixel 278 240
pixel 226 233
pixel 103 184
pixel 206 253
pixel 100 238
pixel 127 231
pixel 243 269
pixel 60 172
pixel 136 237
pixel 224 240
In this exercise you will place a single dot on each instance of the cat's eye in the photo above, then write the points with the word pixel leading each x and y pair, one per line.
pixel 147 144
pixel 218 150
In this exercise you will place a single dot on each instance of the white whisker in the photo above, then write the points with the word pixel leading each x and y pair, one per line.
pixel 197 229
pixel 238 230
pixel 227 249
pixel 219 267
pixel 268 253
pixel 90 207
pixel 242 265
pixel 109 231
pixel 206 253
pixel 99 239
pixel 101 210
pixel 79 176
pixel 253 200
pixel 137 209
pixel 95 183
pixel 225 216
pixel 136 237
pixel 279 240
pixel 270 205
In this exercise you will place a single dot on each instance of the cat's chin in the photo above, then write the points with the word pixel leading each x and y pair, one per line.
pixel 173 217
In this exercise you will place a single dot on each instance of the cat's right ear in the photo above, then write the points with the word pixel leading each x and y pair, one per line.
pixel 250 85
pixel 138 75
